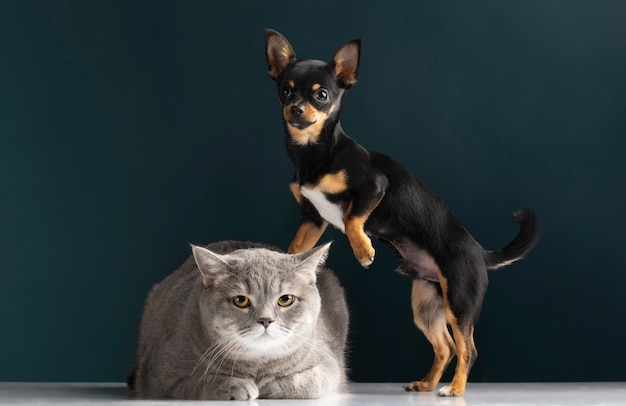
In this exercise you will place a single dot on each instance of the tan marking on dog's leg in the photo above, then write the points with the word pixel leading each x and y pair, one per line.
pixel 472 348
pixel 306 237
pixel 459 381
pixel 429 317
pixel 308 233
pixel 462 340
pixel 333 183
pixel 294 187
pixel 359 241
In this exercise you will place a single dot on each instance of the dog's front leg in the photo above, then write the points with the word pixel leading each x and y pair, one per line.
pixel 312 225
pixel 361 206
pixel 307 236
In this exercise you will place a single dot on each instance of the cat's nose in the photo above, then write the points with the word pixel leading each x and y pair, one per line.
pixel 265 321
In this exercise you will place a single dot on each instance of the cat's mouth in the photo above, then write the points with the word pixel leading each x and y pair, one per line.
pixel 264 341
pixel 269 336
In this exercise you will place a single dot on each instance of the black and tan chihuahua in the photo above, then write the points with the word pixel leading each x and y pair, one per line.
pixel 366 194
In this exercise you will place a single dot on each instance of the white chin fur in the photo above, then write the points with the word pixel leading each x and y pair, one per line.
pixel 263 342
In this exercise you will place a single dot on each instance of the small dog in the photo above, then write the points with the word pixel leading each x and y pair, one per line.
pixel 364 193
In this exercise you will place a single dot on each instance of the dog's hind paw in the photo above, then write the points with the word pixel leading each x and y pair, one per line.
pixel 420 386
pixel 449 391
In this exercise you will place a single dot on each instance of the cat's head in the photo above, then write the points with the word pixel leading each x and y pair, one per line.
pixel 262 302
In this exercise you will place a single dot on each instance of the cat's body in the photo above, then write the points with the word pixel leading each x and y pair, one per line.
pixel 240 320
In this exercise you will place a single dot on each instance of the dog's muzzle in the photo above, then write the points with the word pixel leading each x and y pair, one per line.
pixel 296 117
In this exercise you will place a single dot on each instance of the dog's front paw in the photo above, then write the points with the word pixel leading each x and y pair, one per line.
pixel 237 391
pixel 366 263
pixel 360 243
pixel 365 256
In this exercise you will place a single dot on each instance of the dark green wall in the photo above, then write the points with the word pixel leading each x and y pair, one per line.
pixel 129 129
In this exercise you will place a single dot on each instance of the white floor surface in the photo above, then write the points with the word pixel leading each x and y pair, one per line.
pixel 361 394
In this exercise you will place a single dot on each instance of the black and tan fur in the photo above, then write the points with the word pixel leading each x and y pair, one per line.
pixel 366 194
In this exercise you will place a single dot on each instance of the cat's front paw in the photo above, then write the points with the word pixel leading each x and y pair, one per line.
pixel 237 391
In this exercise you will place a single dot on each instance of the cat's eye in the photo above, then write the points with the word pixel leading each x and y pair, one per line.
pixel 241 301
pixel 321 95
pixel 286 300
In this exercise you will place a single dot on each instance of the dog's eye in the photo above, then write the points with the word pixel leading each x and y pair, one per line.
pixel 285 91
pixel 321 95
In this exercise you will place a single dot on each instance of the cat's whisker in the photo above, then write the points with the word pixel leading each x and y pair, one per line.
pixel 316 350
pixel 217 352
pixel 220 356
pixel 235 360
pixel 225 356
pixel 203 357
pixel 210 350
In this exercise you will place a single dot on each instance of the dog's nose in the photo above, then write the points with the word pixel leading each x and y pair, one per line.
pixel 296 110
pixel 265 321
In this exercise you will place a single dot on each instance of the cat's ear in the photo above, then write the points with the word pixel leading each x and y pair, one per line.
pixel 310 260
pixel 211 265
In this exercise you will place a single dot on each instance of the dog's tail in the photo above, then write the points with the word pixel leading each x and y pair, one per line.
pixel 524 241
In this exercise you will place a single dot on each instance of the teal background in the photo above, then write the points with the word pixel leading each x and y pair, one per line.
pixel 130 129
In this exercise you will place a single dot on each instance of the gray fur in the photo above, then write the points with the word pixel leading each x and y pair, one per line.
pixel 193 342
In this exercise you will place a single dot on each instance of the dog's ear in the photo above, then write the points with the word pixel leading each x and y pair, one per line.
pixel 278 51
pixel 345 62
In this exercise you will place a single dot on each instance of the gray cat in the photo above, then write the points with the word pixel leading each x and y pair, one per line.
pixel 241 320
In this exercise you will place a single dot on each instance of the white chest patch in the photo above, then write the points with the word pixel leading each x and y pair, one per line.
pixel 329 211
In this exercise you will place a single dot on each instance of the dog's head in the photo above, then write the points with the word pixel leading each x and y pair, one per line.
pixel 310 91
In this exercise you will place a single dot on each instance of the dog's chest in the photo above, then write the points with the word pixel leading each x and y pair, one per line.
pixel 330 211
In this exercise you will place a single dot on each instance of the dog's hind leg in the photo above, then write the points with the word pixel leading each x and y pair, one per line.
pixel 461 317
pixel 429 316
pixel 466 355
